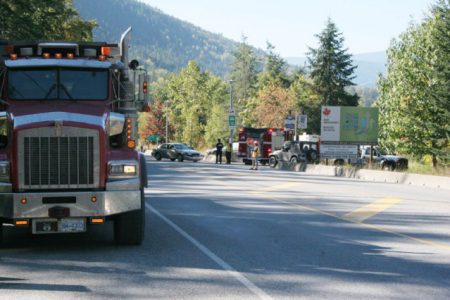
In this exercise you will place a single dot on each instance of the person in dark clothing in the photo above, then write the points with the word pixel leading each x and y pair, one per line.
pixel 228 153
pixel 219 147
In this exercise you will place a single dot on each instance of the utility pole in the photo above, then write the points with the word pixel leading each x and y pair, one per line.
pixel 231 123
pixel 167 120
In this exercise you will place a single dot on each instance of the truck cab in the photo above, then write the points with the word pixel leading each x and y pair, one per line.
pixel 68 130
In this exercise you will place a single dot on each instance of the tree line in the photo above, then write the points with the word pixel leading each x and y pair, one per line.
pixel 413 97
pixel 264 92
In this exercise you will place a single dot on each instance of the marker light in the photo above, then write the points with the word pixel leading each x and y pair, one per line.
pixel 58 55
pixel 93 199
pixel 13 56
pixel 23 200
pixel 70 55
pixel 145 85
pixel 97 220
pixel 131 144
pixel 101 57
pixel 106 51
pixel 21 222
pixel 46 55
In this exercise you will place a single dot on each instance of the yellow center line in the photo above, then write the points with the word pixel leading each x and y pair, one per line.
pixel 369 210
pixel 368 226
pixel 276 187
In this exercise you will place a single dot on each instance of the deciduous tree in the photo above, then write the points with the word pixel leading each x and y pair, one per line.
pixel 414 97
pixel 43 19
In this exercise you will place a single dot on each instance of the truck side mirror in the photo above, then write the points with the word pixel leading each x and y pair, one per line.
pixel 116 123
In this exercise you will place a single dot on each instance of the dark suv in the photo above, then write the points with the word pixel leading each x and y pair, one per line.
pixel 295 152
pixel 176 151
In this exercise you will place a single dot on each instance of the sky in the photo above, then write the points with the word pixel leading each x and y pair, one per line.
pixel 291 25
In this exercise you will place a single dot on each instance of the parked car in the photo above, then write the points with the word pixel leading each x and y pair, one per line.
pixel 176 151
pixel 384 160
pixel 295 152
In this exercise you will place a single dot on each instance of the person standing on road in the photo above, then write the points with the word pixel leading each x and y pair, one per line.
pixel 255 154
pixel 228 153
pixel 219 147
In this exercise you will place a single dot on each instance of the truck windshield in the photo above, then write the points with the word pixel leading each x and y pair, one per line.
pixel 64 84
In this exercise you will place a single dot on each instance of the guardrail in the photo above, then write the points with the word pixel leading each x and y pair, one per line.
pixel 370 175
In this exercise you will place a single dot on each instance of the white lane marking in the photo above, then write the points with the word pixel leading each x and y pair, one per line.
pixel 230 270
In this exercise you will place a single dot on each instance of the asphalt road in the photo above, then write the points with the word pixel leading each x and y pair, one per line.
pixel 226 232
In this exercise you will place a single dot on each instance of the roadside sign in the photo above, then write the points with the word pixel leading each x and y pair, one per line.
pixel 302 121
pixel 289 123
pixel 232 121
pixel 153 138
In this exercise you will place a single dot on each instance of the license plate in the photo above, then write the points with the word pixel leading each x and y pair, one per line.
pixel 72 225
pixel 45 226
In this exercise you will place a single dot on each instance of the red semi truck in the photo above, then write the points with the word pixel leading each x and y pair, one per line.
pixel 68 131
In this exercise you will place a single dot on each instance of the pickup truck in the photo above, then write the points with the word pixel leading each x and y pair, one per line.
pixel 384 160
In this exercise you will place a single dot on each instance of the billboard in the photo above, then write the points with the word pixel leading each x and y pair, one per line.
pixel 349 124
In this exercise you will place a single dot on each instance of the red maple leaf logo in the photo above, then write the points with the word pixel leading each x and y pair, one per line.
pixel 326 111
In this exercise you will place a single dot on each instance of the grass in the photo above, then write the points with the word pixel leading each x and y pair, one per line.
pixel 418 167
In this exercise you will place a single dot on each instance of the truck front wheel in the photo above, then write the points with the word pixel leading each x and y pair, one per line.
pixel 273 161
pixel 129 227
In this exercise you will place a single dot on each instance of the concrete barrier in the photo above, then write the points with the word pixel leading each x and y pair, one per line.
pixel 369 175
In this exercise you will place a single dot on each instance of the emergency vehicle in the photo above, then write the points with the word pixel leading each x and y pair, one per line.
pixel 68 131
pixel 269 139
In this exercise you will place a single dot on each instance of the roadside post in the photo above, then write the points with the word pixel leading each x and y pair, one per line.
pixel 290 123
pixel 231 119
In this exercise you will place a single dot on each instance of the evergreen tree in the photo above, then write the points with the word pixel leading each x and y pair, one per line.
pixel 244 70
pixel 414 97
pixel 331 68
pixel 274 70
pixel 46 20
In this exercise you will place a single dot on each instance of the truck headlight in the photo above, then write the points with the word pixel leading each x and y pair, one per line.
pixel 123 168
pixel 4 171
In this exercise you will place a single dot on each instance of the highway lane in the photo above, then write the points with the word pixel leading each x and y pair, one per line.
pixel 226 232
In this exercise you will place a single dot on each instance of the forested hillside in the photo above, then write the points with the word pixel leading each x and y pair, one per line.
pixel 158 40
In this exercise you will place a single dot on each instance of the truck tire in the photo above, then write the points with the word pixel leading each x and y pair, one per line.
pixel 294 160
pixel 312 155
pixel 158 156
pixel 129 227
pixel 273 161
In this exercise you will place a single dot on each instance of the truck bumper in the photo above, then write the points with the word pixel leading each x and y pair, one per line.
pixel 119 197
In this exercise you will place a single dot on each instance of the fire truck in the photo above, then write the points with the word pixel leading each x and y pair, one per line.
pixel 68 131
pixel 269 139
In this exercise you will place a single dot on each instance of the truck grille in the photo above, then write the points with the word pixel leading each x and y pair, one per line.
pixel 47 161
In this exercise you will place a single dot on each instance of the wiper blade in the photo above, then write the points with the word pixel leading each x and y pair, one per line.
pixel 52 88
pixel 64 88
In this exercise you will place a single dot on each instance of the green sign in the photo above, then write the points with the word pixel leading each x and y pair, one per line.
pixel 359 124
pixel 348 124
pixel 153 138
pixel 232 120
